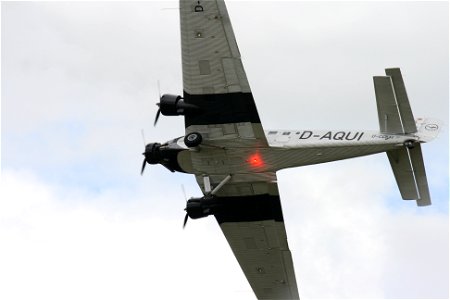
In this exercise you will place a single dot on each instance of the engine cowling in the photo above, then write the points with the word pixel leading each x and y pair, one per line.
pixel 197 208
pixel 174 105
pixel 155 153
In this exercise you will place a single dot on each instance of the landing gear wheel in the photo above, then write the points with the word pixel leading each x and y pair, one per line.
pixel 193 139
pixel 409 144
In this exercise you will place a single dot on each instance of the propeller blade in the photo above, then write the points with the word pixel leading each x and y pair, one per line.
pixel 157 116
pixel 184 192
pixel 158 104
pixel 159 89
pixel 185 220
pixel 143 166
pixel 143 136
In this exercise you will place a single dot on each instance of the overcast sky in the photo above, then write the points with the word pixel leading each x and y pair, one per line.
pixel 77 221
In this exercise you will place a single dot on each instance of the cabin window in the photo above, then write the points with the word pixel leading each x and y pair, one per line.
pixel 273 132
pixel 286 133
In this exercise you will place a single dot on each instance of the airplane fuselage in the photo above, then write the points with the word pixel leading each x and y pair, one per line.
pixel 286 149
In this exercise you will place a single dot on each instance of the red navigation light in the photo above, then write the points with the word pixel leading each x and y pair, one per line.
pixel 256 160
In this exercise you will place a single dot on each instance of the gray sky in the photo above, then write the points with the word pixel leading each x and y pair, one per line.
pixel 79 84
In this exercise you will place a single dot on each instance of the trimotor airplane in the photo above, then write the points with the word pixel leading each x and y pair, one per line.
pixel 235 161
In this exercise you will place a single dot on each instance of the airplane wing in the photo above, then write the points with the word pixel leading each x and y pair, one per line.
pixel 250 216
pixel 254 228
pixel 213 76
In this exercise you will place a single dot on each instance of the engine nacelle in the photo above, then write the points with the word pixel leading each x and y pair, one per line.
pixel 197 208
pixel 155 153
pixel 152 153
pixel 173 105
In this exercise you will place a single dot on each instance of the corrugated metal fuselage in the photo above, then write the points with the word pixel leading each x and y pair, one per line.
pixel 286 149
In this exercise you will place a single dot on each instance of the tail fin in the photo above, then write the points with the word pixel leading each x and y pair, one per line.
pixel 395 117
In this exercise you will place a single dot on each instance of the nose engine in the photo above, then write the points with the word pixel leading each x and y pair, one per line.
pixel 152 153
pixel 164 154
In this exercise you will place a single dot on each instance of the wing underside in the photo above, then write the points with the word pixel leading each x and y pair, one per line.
pixel 213 75
pixel 250 216
pixel 254 228
pixel 211 58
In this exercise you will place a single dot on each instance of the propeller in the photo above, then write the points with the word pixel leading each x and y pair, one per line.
pixel 145 160
pixel 143 166
pixel 158 113
pixel 185 219
pixel 185 198
pixel 143 137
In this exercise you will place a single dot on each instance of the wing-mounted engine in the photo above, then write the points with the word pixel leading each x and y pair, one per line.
pixel 209 204
pixel 174 105
pixel 197 208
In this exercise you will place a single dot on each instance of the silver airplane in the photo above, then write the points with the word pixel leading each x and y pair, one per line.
pixel 235 161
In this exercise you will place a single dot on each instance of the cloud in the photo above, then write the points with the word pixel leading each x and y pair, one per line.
pixel 348 242
pixel 345 241
pixel 58 244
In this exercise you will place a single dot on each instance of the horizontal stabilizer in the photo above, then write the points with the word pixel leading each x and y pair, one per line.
pixel 394 112
pixel 409 124
pixel 409 171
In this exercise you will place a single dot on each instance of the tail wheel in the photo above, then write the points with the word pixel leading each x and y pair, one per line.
pixel 193 139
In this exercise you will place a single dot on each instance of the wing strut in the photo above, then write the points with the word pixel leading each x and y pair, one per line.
pixel 207 184
pixel 221 184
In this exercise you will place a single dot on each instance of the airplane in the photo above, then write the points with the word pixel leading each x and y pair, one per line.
pixel 235 160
